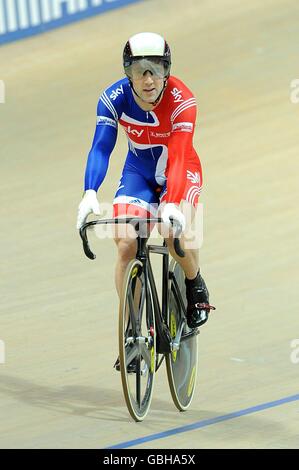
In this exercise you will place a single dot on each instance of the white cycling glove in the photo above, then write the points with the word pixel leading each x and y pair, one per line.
pixel 169 211
pixel 88 205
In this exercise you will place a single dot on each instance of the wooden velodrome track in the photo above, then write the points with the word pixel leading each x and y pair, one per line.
pixel 59 310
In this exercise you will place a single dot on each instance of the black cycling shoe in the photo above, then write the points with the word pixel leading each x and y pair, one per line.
pixel 198 302
pixel 131 368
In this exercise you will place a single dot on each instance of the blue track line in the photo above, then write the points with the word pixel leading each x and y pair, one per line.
pixel 205 422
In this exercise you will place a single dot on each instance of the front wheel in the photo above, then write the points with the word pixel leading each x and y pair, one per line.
pixel 181 364
pixel 137 345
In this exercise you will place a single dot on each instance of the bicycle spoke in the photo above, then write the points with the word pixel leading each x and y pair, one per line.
pixel 132 312
pixel 142 301
pixel 131 302
pixel 138 383
pixel 146 354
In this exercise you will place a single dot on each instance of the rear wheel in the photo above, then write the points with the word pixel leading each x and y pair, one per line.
pixel 181 364
pixel 137 346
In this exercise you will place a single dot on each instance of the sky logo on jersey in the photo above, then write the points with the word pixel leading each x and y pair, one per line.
pixel 104 120
pixel 115 93
pixel 177 95
pixel 134 131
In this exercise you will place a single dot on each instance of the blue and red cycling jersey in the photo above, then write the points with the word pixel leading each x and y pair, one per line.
pixel 161 163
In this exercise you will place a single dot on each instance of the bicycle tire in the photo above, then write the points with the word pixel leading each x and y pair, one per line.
pixel 140 343
pixel 181 365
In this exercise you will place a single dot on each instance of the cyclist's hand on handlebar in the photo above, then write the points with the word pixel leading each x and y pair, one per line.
pixel 88 205
pixel 171 211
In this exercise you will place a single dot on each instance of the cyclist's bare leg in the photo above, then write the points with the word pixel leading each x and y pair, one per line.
pixel 125 239
pixel 190 262
pixel 126 248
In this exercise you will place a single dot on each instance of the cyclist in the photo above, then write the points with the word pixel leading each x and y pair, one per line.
pixel 162 169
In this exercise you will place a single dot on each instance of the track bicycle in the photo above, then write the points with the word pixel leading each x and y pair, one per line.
pixel 150 331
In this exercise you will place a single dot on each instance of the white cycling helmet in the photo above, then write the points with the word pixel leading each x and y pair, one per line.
pixel 152 53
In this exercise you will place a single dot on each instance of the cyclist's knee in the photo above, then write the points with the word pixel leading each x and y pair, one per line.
pixel 126 248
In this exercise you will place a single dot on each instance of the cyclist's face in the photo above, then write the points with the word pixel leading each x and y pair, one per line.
pixel 148 87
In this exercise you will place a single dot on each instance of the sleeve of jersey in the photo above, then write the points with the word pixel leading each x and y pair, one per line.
pixel 103 144
pixel 180 147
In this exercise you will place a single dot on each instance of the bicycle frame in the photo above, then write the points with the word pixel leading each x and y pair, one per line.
pixel 143 251
pixel 143 254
